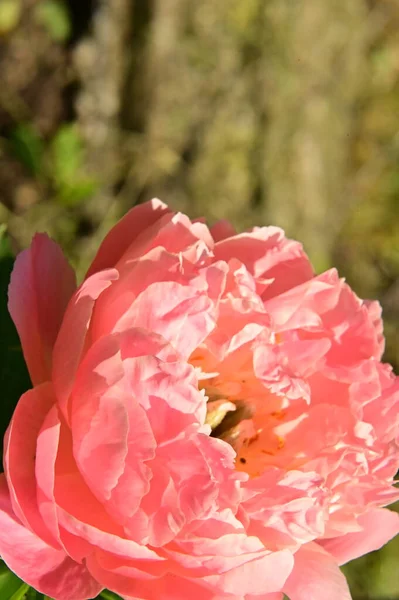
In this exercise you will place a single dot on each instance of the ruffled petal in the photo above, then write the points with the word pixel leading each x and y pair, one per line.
pixel 111 429
pixel 268 255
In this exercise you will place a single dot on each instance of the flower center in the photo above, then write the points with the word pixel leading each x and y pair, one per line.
pixel 252 424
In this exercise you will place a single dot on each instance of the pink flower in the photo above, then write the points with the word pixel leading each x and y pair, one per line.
pixel 111 477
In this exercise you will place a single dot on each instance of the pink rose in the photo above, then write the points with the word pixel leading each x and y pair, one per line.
pixel 111 477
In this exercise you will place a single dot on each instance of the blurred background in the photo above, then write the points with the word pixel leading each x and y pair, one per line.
pixel 259 111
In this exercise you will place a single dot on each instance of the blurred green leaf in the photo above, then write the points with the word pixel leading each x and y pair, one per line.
pixel 77 191
pixel 28 147
pixel 67 166
pixel 67 150
pixel 5 247
pixel 14 378
pixel 54 16
pixel 10 12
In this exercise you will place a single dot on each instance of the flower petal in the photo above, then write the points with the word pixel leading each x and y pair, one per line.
pixel 180 313
pixel 265 574
pixel 268 254
pixel 71 340
pixel 316 575
pixel 48 570
pixel 124 233
pixel 42 283
pixel 20 456
pixel 379 526
pixel 47 449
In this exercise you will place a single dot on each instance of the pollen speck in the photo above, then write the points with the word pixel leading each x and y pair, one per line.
pixel 279 414
pixel 280 442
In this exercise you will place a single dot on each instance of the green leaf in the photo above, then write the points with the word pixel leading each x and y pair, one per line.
pixel 28 147
pixel 5 247
pixel 107 595
pixel 32 594
pixel 54 16
pixel 67 167
pixel 21 594
pixel 14 377
pixel 11 587
pixel 10 13
pixel 67 151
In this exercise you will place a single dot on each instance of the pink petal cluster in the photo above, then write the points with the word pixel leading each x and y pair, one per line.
pixel 112 479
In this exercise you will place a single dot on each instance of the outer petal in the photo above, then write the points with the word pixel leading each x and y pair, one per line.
pixel 72 337
pixel 125 232
pixel 42 283
pixel 168 587
pixel 316 575
pixel 48 570
pixel 49 443
pixel 276 596
pixel 222 230
pixel 19 456
pixel 223 556
pixel 379 526
pixel 128 576
pixel 69 506
pixel 266 574
pixel 255 576
pixel 375 311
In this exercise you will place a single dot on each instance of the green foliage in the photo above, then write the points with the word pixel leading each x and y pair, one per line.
pixel 375 575
pixel 11 587
pixel 14 378
pixel 67 159
pixel 28 147
pixel 54 16
pixel 58 165
pixel 10 12
pixel 106 595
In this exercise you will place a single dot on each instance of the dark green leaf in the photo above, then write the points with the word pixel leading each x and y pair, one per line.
pixel 28 147
pixel 107 595
pixel 5 246
pixel 14 378
pixel 32 594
